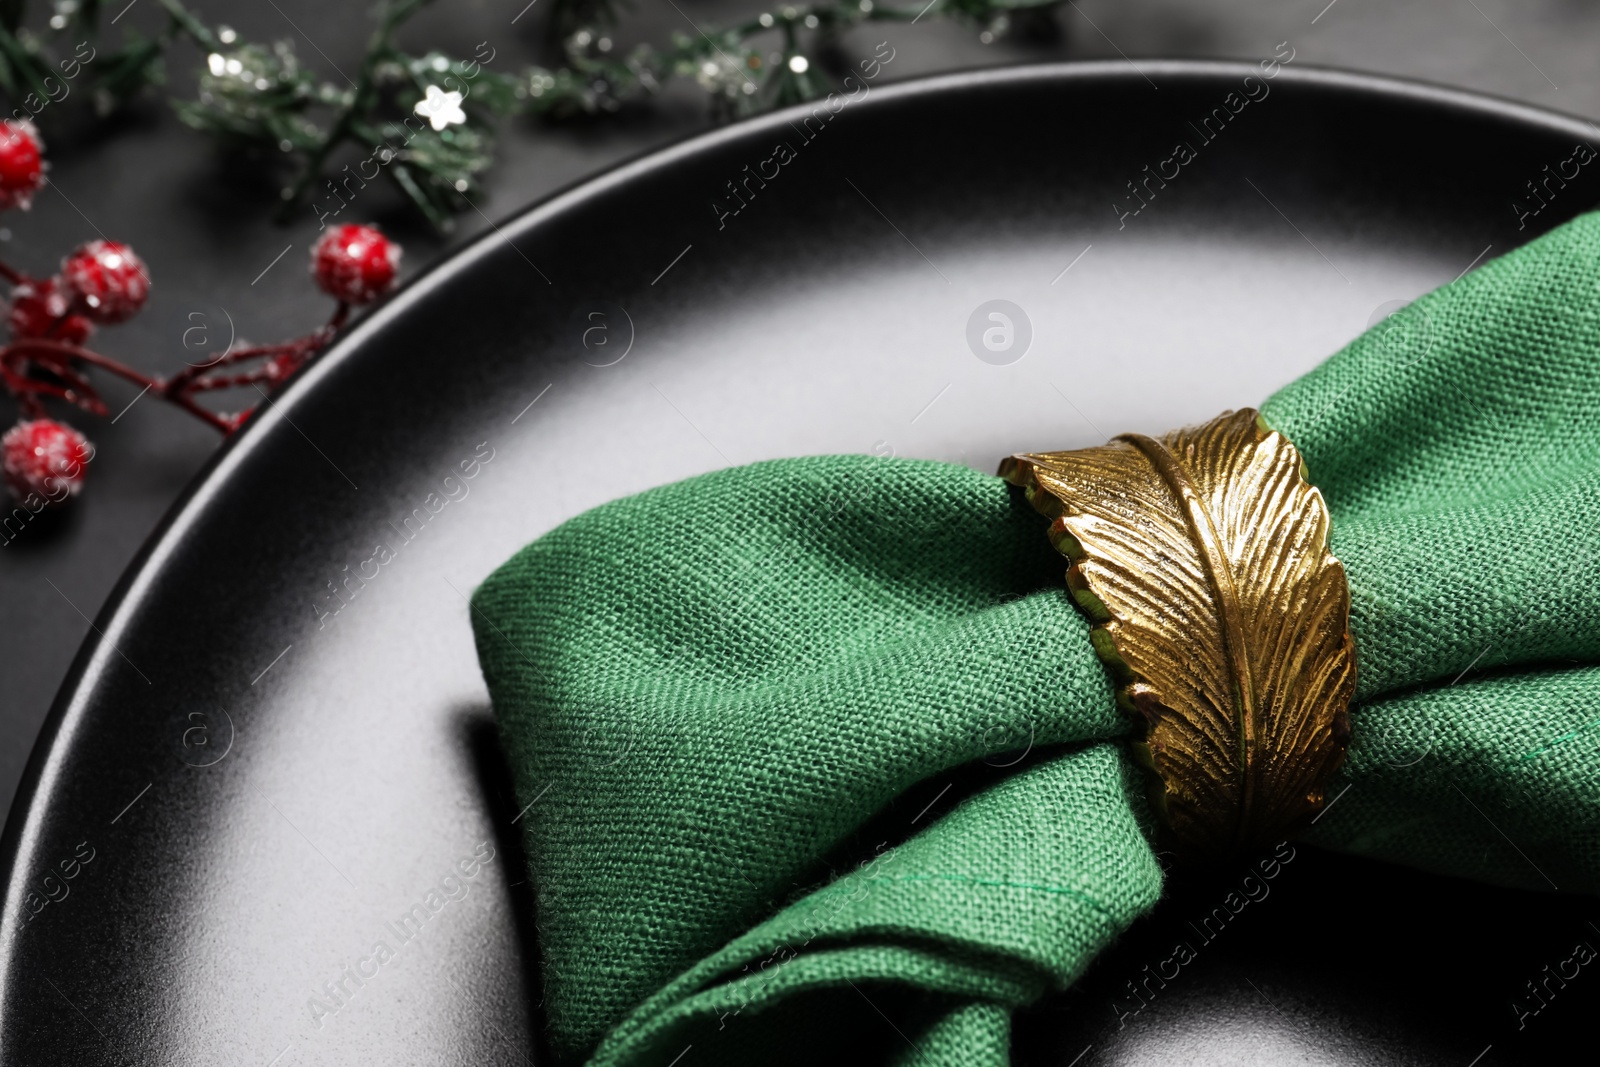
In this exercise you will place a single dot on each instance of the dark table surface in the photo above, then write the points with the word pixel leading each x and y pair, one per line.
pixel 204 226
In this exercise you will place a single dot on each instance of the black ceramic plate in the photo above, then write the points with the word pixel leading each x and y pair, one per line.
pixel 251 775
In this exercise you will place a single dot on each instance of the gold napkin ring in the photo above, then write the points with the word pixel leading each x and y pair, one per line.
pixel 1202 558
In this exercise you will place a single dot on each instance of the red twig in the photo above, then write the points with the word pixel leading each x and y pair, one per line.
pixel 41 346
pixel 23 360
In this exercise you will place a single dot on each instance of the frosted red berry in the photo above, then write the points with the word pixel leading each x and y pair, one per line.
pixel 109 281
pixel 21 163
pixel 39 310
pixel 44 458
pixel 355 264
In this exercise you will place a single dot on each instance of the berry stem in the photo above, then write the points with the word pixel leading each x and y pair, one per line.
pixel 57 357
pixel 24 390
pixel 195 372
pixel 27 391
pixel 41 347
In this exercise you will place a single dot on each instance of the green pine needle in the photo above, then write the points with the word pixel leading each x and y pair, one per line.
pixel 426 123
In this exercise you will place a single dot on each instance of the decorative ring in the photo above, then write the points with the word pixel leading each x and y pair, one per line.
pixel 1202 558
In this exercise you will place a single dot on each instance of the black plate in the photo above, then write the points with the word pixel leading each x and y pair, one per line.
pixel 266 785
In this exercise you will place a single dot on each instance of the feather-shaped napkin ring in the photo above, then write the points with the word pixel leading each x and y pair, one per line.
pixel 1202 557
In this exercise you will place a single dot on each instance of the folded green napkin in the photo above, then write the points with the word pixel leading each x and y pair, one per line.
pixel 727 699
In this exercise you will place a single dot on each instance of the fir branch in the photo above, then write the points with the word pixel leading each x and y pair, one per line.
pixel 258 97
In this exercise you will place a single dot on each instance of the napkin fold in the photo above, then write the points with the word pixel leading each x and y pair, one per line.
pixel 821 760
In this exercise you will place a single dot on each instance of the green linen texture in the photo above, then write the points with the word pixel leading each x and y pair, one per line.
pixel 723 691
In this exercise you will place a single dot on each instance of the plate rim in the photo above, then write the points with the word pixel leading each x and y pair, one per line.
pixel 42 774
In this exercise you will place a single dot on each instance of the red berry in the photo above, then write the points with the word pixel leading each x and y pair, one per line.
pixel 21 163
pixel 46 458
pixel 39 309
pixel 108 279
pixel 355 264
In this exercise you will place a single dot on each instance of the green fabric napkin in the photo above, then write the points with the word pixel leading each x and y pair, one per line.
pixel 727 699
